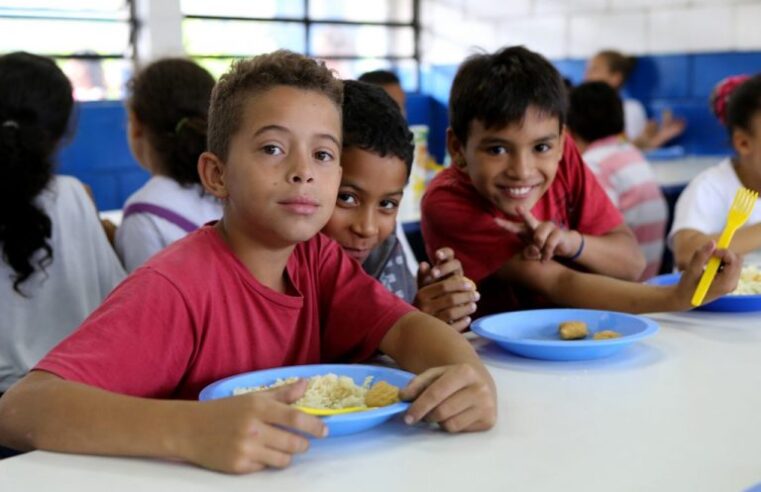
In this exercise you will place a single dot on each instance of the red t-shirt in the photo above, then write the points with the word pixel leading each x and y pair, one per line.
pixel 454 214
pixel 194 314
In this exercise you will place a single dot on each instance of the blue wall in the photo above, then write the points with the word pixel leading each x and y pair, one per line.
pixel 99 154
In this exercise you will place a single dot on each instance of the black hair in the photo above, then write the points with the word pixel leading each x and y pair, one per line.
pixel 35 107
pixel 170 97
pixel 379 77
pixel 619 63
pixel 498 88
pixel 595 111
pixel 373 122
pixel 743 104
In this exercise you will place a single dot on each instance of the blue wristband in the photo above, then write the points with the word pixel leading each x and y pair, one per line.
pixel 581 248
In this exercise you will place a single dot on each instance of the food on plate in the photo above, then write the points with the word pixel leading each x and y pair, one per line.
pixel 606 335
pixel 331 391
pixel 573 330
pixel 749 283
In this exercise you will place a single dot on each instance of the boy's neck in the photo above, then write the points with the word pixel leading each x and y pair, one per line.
pixel 266 264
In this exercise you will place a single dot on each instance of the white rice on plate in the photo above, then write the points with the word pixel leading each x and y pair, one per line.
pixel 328 391
pixel 749 283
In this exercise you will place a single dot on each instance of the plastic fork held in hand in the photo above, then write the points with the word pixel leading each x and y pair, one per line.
pixel 741 208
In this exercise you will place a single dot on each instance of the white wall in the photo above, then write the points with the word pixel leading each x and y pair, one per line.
pixel 579 28
pixel 160 32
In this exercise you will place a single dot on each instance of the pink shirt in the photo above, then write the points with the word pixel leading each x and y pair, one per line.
pixel 454 214
pixel 194 314
pixel 631 185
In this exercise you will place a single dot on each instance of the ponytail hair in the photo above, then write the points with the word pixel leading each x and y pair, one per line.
pixel 720 95
pixel 35 106
pixel 170 97
pixel 619 63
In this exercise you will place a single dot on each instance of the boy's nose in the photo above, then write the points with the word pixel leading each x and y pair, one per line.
pixel 520 167
pixel 366 225
pixel 300 171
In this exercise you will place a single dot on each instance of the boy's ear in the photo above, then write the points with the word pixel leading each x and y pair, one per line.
pixel 456 150
pixel 211 170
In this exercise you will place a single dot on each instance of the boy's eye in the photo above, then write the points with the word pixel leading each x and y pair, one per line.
pixel 497 150
pixel 323 156
pixel 389 204
pixel 347 199
pixel 542 147
pixel 272 150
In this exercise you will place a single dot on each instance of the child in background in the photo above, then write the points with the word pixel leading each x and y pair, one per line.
pixel 56 264
pixel 596 122
pixel 167 108
pixel 376 159
pixel 614 68
pixel 260 288
pixel 515 172
pixel 389 82
pixel 701 211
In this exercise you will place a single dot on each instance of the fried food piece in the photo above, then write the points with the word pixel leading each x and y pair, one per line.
pixel 381 394
pixel 606 334
pixel 573 330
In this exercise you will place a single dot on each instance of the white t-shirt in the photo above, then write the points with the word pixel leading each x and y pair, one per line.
pixel 635 118
pixel 141 235
pixel 84 269
pixel 704 203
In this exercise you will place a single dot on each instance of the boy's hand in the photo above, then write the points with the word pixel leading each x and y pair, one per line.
pixel 452 300
pixel 249 432
pixel 460 398
pixel 445 264
pixel 725 281
pixel 544 239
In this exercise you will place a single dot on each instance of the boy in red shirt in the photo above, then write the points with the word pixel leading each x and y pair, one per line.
pixel 527 220
pixel 258 289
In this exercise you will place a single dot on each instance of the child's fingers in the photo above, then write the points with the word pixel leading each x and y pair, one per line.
pixel 514 227
pixel 449 267
pixel 442 387
pixel 551 244
pixel 448 286
pixel 271 457
pixel 280 414
pixel 282 440
pixel 444 254
pixel 542 232
pixel 459 303
pixel 528 218
pixel 420 383
pixel 453 405
pixel 468 420
pixel 531 252
pixel 698 261
pixel 287 393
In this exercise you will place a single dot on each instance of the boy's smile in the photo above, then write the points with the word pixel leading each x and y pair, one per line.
pixel 281 175
pixel 514 165
pixel 368 201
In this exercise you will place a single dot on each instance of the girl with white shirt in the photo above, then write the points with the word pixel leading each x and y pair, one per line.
pixel 701 211
pixel 56 264
pixel 167 112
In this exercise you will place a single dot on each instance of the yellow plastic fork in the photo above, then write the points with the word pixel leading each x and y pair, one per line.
pixel 741 208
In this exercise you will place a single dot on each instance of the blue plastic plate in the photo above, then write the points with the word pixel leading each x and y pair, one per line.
pixel 724 304
pixel 338 425
pixel 534 334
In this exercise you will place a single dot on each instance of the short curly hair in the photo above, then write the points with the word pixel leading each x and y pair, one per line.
pixel 247 78
pixel 373 122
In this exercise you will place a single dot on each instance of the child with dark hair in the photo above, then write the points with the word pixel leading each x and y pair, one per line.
pixel 389 82
pixel 56 264
pixel 615 68
pixel 167 108
pixel 376 160
pixel 260 288
pixel 701 210
pixel 596 122
pixel 526 218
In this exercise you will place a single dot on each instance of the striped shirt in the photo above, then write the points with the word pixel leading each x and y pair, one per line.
pixel 630 183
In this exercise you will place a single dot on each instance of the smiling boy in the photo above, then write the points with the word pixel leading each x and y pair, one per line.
pixel 258 289
pixel 523 214
pixel 376 161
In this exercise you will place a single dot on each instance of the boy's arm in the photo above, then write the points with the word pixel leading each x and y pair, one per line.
pixel 567 287
pixel 237 435
pixel 687 241
pixel 453 387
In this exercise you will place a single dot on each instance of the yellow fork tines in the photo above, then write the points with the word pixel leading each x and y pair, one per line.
pixel 741 208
